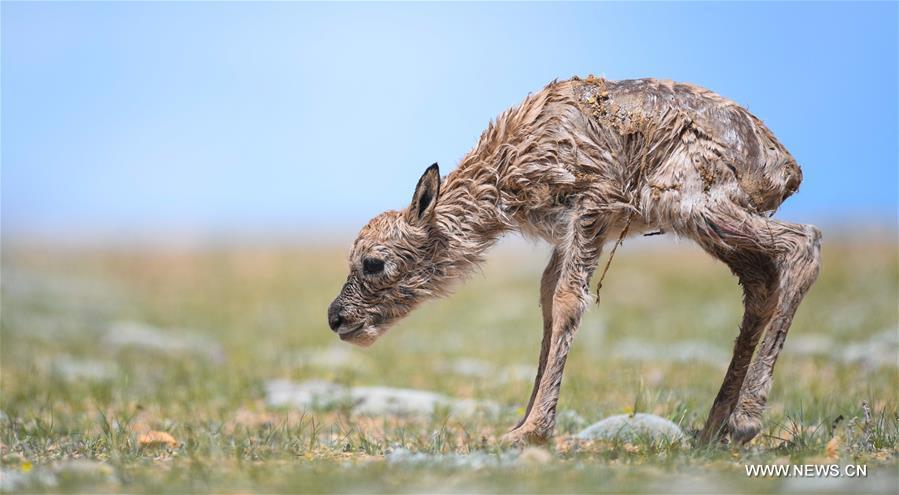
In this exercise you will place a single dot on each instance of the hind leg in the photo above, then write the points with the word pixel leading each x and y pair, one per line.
pixel 776 263
pixel 798 262
pixel 758 276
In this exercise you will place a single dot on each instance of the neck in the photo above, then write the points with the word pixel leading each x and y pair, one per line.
pixel 467 216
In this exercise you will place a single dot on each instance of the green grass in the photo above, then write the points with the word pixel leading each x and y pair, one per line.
pixel 260 313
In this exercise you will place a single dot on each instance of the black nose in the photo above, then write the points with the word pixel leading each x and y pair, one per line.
pixel 335 319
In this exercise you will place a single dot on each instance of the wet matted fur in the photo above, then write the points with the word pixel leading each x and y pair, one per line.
pixel 576 164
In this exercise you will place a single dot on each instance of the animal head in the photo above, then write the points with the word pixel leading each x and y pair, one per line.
pixel 394 265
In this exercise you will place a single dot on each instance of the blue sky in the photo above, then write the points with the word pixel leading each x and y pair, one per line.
pixel 122 118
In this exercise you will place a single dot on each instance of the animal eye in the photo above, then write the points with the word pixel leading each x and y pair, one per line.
pixel 372 266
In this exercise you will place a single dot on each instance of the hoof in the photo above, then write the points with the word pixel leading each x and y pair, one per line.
pixel 711 435
pixel 523 436
pixel 743 427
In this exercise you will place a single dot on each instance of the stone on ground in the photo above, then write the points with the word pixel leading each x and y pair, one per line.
pixel 369 401
pixel 633 427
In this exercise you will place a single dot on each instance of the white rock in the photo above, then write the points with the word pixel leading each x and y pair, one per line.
pixel 880 350
pixel 517 373
pixel 128 334
pixel 370 401
pixel 334 357
pixel 14 480
pixel 64 294
pixel 312 394
pixel 49 476
pixel 378 401
pixel 889 336
pixel 687 351
pixel 568 421
pixel 633 427
pixel 473 368
pixel 810 345
pixel 84 468
pixel 73 369
pixel 487 371
pixel 474 460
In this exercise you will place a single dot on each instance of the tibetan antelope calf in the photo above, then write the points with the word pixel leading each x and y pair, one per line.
pixel 581 163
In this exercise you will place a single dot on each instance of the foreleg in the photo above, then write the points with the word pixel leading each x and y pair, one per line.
pixel 579 254
pixel 547 288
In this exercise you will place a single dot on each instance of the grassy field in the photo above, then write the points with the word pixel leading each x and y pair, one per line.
pixel 100 348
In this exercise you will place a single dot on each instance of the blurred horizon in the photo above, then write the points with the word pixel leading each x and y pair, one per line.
pixel 207 122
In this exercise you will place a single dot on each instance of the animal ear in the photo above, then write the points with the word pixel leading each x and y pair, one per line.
pixel 425 198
